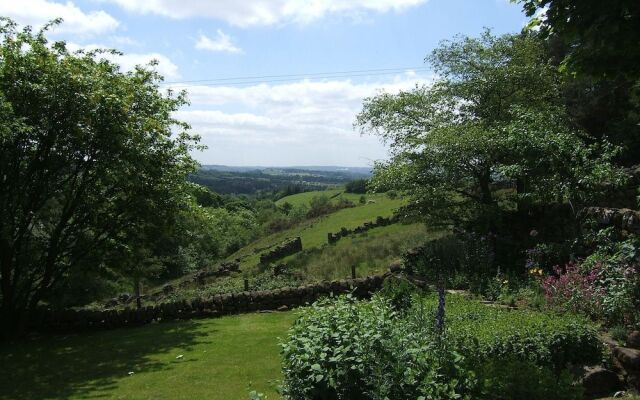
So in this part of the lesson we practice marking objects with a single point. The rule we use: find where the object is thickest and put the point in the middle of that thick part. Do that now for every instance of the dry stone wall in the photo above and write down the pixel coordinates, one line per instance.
(46, 320)
(622, 218)
(285, 249)
(344, 232)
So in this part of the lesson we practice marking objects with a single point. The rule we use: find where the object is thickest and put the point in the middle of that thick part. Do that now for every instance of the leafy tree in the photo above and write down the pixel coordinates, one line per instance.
(597, 45)
(319, 205)
(601, 37)
(234, 228)
(205, 197)
(286, 207)
(358, 186)
(495, 114)
(90, 161)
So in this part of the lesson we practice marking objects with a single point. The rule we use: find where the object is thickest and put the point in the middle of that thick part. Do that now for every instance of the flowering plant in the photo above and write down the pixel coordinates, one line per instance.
(606, 285)
(570, 290)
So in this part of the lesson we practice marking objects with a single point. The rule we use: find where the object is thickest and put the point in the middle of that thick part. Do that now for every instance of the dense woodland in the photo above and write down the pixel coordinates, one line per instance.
(503, 155)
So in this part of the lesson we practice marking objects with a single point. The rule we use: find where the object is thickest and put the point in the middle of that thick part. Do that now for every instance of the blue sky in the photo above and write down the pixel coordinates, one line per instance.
(292, 120)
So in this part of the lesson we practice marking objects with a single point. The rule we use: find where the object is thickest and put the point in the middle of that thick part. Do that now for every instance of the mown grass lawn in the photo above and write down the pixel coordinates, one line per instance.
(220, 359)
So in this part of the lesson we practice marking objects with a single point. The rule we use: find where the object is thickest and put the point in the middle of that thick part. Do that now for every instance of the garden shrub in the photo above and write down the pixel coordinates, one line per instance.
(523, 380)
(545, 256)
(570, 290)
(546, 339)
(604, 286)
(399, 292)
(348, 349)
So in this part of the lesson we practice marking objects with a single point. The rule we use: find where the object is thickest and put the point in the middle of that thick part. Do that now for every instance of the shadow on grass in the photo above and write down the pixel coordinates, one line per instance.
(89, 364)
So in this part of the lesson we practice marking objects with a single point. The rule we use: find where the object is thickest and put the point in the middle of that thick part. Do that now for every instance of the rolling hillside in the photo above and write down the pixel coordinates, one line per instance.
(314, 232)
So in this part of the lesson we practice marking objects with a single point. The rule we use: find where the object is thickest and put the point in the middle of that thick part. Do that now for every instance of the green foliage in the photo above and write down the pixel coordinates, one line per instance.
(360, 350)
(618, 333)
(319, 205)
(205, 197)
(400, 294)
(93, 165)
(233, 229)
(342, 348)
(273, 183)
(314, 231)
(265, 280)
(516, 379)
(322, 205)
(605, 285)
(594, 45)
(615, 266)
(464, 259)
(543, 338)
(495, 114)
(601, 37)
(358, 186)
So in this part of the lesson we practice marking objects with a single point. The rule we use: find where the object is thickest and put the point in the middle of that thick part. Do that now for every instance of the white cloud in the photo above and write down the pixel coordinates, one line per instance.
(305, 122)
(39, 12)
(221, 42)
(165, 66)
(128, 61)
(124, 41)
(263, 12)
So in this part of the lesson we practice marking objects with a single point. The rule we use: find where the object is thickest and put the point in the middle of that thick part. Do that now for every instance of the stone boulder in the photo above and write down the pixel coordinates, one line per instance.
(628, 357)
(599, 382)
(167, 289)
(633, 340)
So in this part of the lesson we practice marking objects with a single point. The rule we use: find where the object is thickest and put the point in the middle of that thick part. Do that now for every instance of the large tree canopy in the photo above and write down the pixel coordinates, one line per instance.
(91, 163)
(494, 114)
(597, 46)
(602, 37)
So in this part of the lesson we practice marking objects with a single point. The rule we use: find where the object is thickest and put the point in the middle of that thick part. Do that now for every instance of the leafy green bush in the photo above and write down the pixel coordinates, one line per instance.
(347, 349)
(516, 379)
(546, 339)
(399, 293)
(617, 278)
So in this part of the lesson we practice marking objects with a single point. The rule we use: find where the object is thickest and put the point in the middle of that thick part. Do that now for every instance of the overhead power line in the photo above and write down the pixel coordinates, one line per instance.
(246, 80)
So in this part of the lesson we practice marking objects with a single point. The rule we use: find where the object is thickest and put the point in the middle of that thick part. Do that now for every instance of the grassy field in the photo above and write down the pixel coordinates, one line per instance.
(334, 194)
(220, 359)
(371, 252)
(314, 232)
(305, 197)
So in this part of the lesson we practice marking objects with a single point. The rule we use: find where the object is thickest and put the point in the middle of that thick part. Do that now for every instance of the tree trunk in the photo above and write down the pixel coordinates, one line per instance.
(484, 181)
(137, 286)
(7, 308)
(488, 211)
(522, 205)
